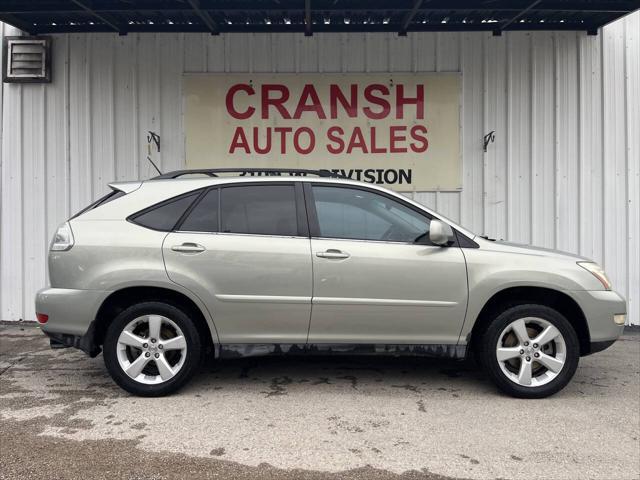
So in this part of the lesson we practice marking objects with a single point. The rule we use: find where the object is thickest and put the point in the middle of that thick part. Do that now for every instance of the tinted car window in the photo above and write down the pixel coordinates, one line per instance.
(259, 209)
(362, 215)
(204, 216)
(166, 215)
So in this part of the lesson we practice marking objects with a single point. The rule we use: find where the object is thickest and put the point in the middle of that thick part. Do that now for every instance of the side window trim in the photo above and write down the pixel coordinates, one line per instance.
(192, 207)
(312, 214)
(301, 219)
(132, 218)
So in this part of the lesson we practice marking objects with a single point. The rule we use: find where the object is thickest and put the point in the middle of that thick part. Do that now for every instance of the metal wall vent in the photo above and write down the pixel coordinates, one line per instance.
(26, 59)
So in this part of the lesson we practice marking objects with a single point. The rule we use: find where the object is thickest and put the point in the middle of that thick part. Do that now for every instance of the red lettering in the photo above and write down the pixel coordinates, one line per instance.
(335, 135)
(416, 132)
(376, 100)
(283, 137)
(239, 141)
(357, 141)
(418, 101)
(278, 102)
(309, 92)
(229, 101)
(374, 148)
(336, 95)
(395, 137)
(296, 140)
(256, 146)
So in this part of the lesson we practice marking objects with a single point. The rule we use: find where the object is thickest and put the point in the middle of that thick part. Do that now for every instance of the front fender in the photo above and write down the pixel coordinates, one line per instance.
(491, 272)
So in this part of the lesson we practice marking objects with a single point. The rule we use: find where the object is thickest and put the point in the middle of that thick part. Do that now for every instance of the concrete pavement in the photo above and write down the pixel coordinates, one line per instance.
(61, 416)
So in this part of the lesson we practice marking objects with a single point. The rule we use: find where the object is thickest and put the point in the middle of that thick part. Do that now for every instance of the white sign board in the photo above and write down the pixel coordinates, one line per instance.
(400, 130)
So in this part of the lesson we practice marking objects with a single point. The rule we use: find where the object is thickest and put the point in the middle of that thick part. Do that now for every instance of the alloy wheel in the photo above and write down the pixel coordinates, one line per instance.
(151, 349)
(531, 351)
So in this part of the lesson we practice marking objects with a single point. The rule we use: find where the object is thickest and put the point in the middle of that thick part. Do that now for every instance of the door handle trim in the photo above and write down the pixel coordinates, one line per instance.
(188, 248)
(333, 254)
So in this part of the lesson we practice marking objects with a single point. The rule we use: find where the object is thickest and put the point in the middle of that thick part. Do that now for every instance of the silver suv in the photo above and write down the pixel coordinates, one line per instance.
(160, 273)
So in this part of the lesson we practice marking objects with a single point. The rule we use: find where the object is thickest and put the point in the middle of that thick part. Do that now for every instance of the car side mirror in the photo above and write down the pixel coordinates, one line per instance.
(440, 233)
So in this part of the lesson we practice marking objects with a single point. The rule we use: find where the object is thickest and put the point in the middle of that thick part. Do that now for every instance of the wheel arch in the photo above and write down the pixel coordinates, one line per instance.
(520, 295)
(123, 298)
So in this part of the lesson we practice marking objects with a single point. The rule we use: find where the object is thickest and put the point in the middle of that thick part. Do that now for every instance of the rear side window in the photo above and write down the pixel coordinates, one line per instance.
(204, 216)
(165, 215)
(259, 209)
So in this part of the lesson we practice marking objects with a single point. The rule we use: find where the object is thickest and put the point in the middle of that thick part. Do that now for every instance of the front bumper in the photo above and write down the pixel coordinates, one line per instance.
(599, 308)
(71, 313)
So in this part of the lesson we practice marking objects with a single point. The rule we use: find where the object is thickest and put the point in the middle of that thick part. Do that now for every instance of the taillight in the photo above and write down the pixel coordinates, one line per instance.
(42, 318)
(63, 239)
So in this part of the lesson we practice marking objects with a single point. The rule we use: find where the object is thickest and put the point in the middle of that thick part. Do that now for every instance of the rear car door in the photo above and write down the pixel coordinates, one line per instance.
(377, 278)
(244, 250)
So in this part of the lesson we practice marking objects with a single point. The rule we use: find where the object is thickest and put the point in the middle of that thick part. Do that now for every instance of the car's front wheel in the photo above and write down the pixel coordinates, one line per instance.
(530, 351)
(152, 349)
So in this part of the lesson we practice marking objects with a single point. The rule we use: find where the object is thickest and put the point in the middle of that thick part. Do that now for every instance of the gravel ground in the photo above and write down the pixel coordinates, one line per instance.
(313, 418)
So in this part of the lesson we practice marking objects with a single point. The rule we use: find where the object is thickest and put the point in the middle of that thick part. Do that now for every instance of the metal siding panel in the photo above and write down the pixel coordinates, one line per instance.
(354, 53)
(632, 63)
(590, 109)
(448, 51)
(495, 119)
(308, 53)
(125, 107)
(148, 94)
(330, 52)
(377, 52)
(170, 128)
(567, 135)
(101, 115)
(543, 141)
(425, 46)
(33, 185)
(285, 53)
(80, 175)
(615, 158)
(195, 51)
(519, 180)
(428, 199)
(56, 123)
(11, 259)
(448, 203)
(471, 213)
(237, 52)
(400, 53)
(214, 53)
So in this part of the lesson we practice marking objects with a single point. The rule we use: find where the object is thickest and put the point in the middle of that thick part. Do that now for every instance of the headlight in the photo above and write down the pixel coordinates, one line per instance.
(597, 271)
(63, 239)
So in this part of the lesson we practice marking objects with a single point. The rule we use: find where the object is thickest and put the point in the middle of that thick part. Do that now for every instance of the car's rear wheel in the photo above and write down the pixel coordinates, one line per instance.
(530, 351)
(152, 349)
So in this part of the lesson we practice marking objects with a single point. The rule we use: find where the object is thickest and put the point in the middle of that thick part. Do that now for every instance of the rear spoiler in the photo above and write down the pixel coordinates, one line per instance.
(117, 190)
(125, 187)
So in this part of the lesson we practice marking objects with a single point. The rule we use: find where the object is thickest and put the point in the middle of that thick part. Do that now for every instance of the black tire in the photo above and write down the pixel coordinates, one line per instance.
(192, 357)
(489, 341)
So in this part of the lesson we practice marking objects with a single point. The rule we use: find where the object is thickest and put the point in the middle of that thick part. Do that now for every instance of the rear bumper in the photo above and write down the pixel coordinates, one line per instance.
(599, 308)
(71, 313)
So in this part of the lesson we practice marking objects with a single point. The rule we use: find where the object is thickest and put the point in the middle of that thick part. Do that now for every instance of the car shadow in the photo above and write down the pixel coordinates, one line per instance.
(276, 375)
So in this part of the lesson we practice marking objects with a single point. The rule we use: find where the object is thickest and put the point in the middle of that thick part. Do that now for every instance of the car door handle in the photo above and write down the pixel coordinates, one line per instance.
(333, 253)
(188, 248)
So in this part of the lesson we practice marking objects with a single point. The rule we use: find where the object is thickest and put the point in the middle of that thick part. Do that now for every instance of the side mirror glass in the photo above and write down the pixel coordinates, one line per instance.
(440, 233)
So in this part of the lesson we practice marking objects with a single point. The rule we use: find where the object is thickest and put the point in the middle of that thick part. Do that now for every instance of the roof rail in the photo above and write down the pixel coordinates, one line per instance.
(213, 172)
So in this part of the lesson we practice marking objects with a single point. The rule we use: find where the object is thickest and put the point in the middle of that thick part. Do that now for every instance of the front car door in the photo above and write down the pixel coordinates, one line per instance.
(244, 250)
(377, 278)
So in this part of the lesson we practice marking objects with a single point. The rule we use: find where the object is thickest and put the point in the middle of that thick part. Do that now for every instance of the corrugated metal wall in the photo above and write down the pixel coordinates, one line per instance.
(562, 173)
